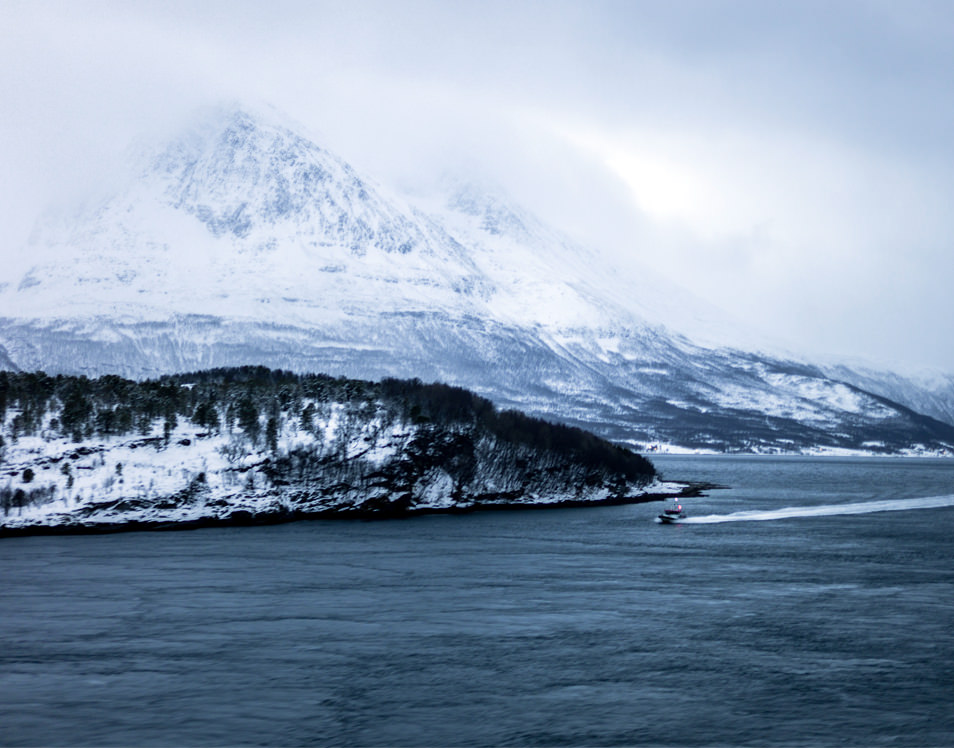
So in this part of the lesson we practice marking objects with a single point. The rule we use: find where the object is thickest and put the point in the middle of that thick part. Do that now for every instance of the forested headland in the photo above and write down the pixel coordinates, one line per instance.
(250, 442)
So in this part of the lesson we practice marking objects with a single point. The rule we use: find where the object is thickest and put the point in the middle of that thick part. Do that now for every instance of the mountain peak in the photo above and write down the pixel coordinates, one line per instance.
(233, 170)
(238, 207)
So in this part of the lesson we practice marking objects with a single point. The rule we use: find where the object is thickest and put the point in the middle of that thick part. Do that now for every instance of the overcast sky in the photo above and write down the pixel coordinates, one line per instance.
(792, 162)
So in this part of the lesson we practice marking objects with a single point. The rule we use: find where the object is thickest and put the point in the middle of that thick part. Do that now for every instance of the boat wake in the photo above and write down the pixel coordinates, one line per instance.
(825, 510)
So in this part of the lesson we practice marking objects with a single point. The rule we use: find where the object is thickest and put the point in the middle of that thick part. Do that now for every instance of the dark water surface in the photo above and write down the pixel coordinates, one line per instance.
(563, 627)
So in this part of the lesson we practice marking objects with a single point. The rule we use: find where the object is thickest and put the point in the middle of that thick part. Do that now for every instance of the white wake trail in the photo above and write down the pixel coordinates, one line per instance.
(826, 510)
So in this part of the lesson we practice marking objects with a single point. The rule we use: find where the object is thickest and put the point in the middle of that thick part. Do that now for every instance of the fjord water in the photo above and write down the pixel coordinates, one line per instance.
(562, 627)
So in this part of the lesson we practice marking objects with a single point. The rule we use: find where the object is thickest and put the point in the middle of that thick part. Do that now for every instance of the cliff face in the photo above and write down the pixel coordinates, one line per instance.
(253, 445)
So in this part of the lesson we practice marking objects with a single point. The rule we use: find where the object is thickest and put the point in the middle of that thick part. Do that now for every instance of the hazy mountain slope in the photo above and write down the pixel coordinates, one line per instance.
(240, 241)
(242, 219)
(931, 394)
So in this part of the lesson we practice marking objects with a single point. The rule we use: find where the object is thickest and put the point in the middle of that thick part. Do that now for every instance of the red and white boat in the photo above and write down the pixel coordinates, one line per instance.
(672, 513)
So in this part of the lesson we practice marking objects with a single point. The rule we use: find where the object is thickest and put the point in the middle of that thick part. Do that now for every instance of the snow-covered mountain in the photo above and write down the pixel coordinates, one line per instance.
(241, 241)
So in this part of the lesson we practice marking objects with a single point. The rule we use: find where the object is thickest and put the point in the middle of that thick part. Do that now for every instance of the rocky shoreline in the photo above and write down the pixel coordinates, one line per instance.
(245, 518)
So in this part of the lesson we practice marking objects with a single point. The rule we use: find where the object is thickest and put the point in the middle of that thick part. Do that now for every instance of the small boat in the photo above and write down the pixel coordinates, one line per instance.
(672, 513)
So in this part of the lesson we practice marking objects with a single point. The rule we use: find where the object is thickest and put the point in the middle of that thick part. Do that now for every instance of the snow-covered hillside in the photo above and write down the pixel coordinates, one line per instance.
(241, 219)
(252, 445)
(242, 242)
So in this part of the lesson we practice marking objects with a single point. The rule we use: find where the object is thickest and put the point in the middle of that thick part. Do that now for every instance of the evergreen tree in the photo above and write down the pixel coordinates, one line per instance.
(271, 433)
(248, 418)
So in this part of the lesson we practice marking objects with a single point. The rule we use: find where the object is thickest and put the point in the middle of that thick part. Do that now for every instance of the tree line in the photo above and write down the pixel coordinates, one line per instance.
(257, 401)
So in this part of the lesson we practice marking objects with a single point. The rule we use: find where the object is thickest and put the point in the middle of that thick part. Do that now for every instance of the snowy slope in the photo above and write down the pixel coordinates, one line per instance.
(241, 241)
(254, 445)
(240, 218)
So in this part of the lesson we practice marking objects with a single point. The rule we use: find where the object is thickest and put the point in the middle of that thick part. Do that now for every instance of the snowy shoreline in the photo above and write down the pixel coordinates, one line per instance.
(652, 450)
(243, 518)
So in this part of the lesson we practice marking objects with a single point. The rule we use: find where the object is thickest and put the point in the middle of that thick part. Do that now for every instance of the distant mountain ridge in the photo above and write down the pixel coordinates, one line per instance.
(242, 242)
